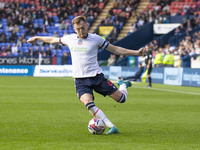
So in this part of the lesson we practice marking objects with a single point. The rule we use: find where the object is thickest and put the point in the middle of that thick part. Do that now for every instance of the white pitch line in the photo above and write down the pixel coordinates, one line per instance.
(134, 86)
(184, 92)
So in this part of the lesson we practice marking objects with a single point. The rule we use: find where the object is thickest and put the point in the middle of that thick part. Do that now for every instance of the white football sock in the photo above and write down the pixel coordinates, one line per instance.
(98, 113)
(123, 89)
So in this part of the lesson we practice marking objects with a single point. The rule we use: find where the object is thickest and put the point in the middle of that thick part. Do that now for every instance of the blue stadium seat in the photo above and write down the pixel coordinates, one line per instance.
(25, 49)
(22, 30)
(2, 44)
(15, 54)
(4, 20)
(25, 44)
(35, 21)
(19, 48)
(40, 20)
(59, 53)
(53, 51)
(21, 27)
(60, 34)
(49, 34)
(71, 17)
(48, 28)
(56, 19)
(39, 34)
(40, 24)
(6, 44)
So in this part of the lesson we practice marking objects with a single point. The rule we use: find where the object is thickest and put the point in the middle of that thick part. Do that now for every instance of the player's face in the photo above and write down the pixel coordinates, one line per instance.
(81, 29)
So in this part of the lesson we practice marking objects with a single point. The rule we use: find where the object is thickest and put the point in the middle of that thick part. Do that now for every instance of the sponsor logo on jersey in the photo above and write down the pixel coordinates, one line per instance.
(80, 42)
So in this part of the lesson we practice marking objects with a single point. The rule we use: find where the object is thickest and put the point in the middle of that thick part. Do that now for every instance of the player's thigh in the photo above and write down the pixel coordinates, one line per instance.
(105, 87)
(149, 71)
(86, 98)
(116, 95)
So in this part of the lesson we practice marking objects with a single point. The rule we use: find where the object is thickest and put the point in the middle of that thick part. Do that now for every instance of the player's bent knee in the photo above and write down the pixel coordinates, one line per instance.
(86, 98)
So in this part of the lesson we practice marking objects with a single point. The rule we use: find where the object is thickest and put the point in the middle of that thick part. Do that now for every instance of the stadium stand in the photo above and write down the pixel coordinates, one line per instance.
(21, 19)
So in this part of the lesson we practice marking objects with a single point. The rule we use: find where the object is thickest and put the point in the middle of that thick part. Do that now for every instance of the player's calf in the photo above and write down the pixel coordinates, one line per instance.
(123, 97)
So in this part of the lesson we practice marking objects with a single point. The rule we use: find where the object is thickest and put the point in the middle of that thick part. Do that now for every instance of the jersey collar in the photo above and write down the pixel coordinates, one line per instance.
(84, 38)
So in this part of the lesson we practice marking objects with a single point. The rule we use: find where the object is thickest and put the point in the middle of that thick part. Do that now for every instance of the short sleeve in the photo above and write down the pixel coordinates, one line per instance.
(64, 40)
(103, 44)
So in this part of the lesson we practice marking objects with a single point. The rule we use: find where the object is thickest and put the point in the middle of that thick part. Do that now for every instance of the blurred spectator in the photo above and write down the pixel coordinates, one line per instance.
(14, 49)
(168, 60)
(38, 29)
(1, 25)
(111, 60)
(3, 48)
(10, 28)
(133, 28)
(13, 37)
(63, 25)
(21, 54)
(44, 29)
(42, 52)
(36, 52)
(185, 59)
(8, 49)
(182, 29)
(4, 53)
(33, 33)
(48, 20)
(55, 34)
(113, 36)
(120, 58)
(9, 21)
(193, 54)
(65, 58)
(16, 28)
(48, 52)
(30, 52)
(158, 61)
(3, 37)
(54, 54)
(189, 26)
(19, 20)
(2, 5)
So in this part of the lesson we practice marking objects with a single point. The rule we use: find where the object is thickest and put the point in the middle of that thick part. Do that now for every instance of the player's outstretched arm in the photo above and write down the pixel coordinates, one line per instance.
(46, 39)
(123, 51)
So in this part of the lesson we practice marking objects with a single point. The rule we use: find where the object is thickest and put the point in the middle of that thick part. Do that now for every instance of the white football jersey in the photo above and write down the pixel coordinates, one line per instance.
(84, 54)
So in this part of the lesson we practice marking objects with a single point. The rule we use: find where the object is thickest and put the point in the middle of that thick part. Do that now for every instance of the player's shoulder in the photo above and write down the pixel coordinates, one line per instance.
(70, 36)
(94, 35)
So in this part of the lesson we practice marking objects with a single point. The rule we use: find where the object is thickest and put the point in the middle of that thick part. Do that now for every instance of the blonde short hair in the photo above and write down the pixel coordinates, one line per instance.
(78, 19)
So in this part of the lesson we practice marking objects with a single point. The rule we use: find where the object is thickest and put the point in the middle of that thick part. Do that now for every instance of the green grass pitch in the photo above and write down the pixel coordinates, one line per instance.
(45, 114)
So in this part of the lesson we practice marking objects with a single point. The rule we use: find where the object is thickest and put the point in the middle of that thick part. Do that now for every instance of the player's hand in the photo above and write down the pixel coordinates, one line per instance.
(31, 40)
(141, 51)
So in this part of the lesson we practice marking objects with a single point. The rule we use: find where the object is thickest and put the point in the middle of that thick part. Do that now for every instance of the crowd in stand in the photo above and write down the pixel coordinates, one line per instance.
(160, 11)
(189, 47)
(20, 20)
(117, 16)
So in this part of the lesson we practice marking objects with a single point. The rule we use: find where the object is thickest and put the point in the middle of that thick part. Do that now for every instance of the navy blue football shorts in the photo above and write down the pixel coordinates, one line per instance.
(98, 83)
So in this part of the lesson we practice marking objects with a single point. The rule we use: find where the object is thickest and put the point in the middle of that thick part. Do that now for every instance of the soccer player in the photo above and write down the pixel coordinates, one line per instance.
(148, 62)
(86, 71)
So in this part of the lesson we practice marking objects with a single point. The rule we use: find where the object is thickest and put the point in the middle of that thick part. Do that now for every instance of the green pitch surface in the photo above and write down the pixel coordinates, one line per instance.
(45, 114)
